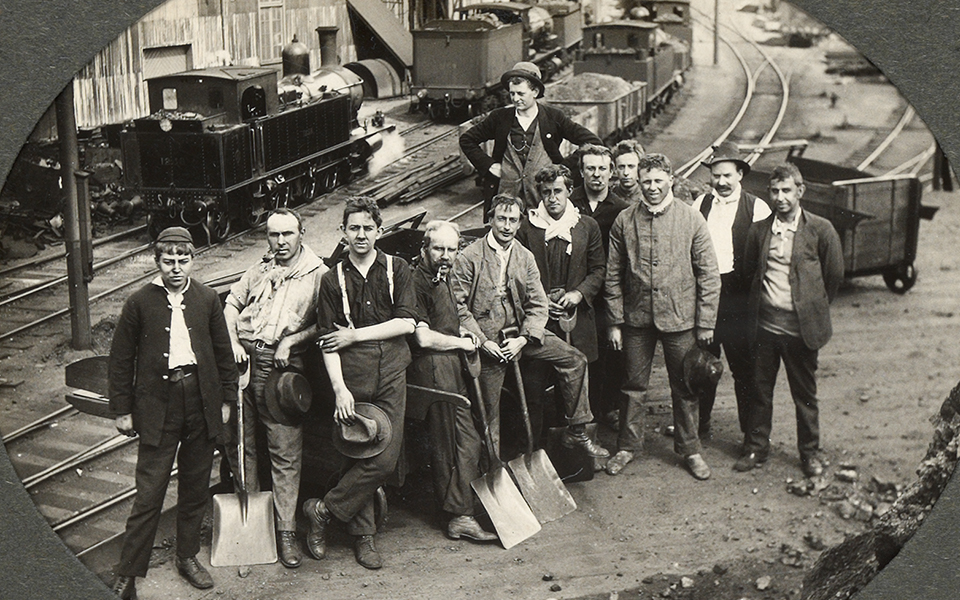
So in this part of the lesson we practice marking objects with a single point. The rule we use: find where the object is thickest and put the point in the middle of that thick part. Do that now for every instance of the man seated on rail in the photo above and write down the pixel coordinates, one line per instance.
(501, 300)
(271, 315)
(729, 211)
(569, 255)
(526, 137)
(172, 382)
(436, 364)
(626, 159)
(662, 284)
(366, 308)
(793, 262)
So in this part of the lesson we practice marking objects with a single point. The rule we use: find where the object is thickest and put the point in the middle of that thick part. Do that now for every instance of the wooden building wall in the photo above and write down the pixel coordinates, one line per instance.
(112, 89)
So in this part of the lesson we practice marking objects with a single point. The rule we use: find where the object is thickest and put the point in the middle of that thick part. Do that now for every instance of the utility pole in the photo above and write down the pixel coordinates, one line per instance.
(716, 31)
(69, 166)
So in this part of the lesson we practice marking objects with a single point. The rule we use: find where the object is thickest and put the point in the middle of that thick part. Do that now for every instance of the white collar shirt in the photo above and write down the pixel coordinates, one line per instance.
(181, 352)
(503, 254)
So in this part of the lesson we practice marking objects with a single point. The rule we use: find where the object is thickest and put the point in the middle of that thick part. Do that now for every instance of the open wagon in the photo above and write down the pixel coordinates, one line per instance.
(878, 218)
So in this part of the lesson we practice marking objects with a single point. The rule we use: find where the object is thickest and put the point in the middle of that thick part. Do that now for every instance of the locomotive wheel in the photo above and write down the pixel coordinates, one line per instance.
(331, 179)
(217, 227)
(303, 189)
(900, 278)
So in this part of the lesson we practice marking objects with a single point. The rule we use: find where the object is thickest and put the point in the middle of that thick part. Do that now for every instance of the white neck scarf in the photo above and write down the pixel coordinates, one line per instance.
(659, 208)
(556, 228)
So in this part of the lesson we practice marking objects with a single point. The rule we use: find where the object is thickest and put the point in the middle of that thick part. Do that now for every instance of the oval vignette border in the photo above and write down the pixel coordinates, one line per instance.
(915, 47)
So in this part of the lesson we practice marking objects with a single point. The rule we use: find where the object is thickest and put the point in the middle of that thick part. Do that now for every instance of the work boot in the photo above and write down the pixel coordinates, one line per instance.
(319, 518)
(125, 587)
(191, 570)
(698, 467)
(812, 466)
(467, 526)
(749, 461)
(289, 550)
(618, 462)
(573, 439)
(366, 552)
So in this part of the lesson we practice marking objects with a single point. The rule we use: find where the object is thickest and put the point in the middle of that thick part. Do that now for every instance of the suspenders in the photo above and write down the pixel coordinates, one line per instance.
(343, 288)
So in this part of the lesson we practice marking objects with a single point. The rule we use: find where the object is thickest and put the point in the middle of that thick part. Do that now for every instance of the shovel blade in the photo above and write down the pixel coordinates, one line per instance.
(506, 507)
(541, 486)
(239, 539)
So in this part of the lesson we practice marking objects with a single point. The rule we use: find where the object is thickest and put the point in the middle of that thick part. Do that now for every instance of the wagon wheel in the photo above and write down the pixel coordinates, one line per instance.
(900, 278)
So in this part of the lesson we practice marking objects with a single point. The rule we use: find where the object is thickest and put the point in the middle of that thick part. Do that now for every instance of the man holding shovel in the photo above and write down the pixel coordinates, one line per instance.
(436, 364)
(569, 254)
(501, 300)
(271, 316)
(172, 379)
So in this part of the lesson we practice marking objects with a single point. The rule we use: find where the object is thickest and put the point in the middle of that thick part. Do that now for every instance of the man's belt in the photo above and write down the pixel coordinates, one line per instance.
(262, 345)
(180, 373)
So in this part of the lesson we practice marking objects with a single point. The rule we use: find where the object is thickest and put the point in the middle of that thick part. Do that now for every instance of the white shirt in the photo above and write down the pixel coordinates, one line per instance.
(526, 120)
(503, 254)
(720, 223)
(181, 350)
(776, 283)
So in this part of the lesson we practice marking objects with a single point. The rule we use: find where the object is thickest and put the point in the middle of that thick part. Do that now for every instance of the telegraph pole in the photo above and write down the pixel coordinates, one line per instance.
(69, 166)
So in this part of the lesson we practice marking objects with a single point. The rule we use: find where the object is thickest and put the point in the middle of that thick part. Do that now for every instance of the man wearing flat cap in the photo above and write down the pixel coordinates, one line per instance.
(172, 381)
(271, 315)
(729, 211)
(526, 137)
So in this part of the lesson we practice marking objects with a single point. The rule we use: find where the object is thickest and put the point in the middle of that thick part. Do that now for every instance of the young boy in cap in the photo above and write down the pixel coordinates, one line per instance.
(172, 380)
(526, 137)
(366, 307)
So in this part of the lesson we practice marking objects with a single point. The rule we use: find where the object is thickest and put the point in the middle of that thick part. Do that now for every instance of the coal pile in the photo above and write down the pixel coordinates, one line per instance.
(588, 87)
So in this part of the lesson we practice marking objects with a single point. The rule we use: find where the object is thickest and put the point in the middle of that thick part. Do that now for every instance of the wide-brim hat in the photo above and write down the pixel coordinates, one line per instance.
(727, 152)
(528, 71)
(369, 434)
(287, 395)
(700, 369)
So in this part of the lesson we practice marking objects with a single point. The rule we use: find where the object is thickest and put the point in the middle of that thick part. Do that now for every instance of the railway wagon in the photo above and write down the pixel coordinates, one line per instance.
(635, 51)
(673, 16)
(458, 62)
(878, 218)
(611, 118)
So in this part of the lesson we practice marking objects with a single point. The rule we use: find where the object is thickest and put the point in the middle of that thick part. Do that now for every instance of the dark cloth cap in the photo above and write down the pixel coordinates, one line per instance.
(727, 151)
(175, 234)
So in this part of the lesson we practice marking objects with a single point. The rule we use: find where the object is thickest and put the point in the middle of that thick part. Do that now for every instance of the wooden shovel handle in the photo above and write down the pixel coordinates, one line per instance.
(523, 405)
(478, 393)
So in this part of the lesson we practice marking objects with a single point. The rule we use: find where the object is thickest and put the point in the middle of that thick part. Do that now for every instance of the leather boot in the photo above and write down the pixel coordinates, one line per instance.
(319, 518)
(289, 550)
(191, 570)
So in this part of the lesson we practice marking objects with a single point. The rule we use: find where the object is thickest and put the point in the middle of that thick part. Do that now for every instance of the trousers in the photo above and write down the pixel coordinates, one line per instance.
(639, 344)
(184, 427)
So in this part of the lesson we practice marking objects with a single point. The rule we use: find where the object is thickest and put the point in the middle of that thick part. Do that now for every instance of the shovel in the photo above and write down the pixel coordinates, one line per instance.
(535, 475)
(243, 527)
(510, 514)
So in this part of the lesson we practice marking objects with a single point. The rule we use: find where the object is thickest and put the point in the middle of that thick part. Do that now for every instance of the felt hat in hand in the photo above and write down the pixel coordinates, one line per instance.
(367, 436)
(288, 396)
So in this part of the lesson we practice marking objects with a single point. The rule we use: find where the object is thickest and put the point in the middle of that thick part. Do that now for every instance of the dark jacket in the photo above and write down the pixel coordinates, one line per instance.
(605, 214)
(554, 126)
(816, 272)
(138, 358)
(588, 264)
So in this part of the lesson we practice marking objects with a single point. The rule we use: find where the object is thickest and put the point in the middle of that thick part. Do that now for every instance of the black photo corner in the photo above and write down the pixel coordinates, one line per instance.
(45, 44)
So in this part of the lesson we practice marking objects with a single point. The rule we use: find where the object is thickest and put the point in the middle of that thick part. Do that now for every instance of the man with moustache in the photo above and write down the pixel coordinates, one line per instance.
(498, 290)
(793, 262)
(436, 364)
(626, 159)
(526, 137)
(569, 255)
(662, 284)
(366, 308)
(729, 211)
(271, 316)
(172, 381)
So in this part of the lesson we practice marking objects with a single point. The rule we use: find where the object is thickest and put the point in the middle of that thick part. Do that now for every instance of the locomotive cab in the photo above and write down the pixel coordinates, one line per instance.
(235, 94)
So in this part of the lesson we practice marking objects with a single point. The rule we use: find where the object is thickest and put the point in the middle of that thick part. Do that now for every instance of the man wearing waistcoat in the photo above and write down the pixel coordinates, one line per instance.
(793, 263)
(729, 211)
(526, 137)
(172, 382)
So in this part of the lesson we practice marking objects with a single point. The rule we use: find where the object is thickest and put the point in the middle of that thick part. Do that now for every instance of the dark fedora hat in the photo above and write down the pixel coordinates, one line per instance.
(528, 71)
(727, 152)
(287, 395)
(367, 436)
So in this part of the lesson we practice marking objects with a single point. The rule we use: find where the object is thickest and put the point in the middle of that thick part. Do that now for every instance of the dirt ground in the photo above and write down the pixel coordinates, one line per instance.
(654, 531)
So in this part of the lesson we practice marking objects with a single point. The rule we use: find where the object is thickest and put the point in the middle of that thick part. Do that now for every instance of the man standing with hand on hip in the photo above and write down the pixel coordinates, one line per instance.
(172, 381)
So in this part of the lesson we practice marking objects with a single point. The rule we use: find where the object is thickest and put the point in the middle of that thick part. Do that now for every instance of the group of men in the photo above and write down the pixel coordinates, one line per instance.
(578, 283)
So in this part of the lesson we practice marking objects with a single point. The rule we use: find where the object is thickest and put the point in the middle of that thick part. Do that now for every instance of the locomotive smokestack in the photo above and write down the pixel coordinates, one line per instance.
(296, 58)
(328, 45)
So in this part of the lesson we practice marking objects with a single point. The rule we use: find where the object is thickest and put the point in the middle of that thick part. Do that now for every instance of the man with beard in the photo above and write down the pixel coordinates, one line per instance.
(626, 158)
(526, 137)
(569, 254)
(436, 364)
(793, 262)
(271, 316)
(729, 211)
(366, 308)
(662, 284)
(500, 297)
